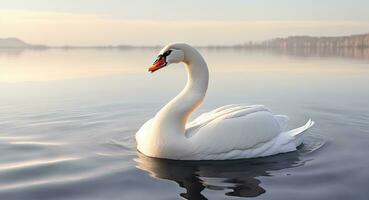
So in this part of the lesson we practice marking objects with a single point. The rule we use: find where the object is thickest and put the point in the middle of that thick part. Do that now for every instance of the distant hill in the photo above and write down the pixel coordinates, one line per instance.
(12, 42)
(17, 43)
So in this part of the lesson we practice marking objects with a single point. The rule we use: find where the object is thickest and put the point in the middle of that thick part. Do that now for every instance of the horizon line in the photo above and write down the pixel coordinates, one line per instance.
(241, 44)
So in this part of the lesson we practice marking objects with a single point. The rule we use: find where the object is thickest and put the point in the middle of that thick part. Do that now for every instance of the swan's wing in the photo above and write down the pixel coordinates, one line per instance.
(234, 130)
(222, 113)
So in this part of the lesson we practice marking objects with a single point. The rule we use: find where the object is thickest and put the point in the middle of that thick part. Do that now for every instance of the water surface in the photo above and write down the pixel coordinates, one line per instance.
(68, 119)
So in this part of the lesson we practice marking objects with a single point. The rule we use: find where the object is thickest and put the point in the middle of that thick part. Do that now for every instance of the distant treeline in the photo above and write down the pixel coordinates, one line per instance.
(353, 41)
(292, 42)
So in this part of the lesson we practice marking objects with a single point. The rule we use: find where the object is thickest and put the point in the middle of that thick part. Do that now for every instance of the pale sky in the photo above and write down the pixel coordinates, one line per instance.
(152, 22)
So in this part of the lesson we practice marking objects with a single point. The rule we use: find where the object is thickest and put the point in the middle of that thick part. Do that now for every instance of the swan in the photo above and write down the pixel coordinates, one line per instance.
(228, 132)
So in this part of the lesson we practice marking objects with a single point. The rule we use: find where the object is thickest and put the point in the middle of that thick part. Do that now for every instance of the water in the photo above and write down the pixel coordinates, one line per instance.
(68, 119)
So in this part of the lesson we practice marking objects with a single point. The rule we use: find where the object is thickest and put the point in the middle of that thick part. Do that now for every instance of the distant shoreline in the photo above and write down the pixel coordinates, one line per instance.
(310, 42)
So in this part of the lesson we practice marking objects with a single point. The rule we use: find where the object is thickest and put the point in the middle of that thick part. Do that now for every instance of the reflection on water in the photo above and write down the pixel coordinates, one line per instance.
(235, 177)
(355, 53)
(11, 52)
(20, 65)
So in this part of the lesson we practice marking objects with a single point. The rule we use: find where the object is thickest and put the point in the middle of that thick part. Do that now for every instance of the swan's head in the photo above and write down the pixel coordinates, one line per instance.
(168, 55)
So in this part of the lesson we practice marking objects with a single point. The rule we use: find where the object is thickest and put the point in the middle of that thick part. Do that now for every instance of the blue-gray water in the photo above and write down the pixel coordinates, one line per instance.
(68, 120)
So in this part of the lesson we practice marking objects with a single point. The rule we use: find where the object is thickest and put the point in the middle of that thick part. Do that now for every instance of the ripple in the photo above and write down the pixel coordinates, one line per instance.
(7, 138)
(32, 163)
(64, 179)
(312, 142)
(31, 143)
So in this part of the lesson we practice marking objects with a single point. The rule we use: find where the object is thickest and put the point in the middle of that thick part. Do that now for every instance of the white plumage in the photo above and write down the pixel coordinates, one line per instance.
(228, 132)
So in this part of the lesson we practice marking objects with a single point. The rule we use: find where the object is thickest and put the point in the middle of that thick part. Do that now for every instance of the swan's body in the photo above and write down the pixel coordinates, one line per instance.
(229, 132)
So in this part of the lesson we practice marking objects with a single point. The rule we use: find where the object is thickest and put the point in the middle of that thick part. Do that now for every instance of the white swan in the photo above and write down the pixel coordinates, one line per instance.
(229, 132)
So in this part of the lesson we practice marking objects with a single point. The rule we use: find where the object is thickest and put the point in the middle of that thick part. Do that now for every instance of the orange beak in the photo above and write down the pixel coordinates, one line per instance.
(158, 64)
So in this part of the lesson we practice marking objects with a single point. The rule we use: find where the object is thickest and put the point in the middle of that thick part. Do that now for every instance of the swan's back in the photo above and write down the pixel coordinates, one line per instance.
(236, 131)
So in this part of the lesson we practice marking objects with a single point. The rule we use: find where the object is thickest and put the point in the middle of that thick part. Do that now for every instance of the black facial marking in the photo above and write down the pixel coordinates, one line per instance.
(165, 54)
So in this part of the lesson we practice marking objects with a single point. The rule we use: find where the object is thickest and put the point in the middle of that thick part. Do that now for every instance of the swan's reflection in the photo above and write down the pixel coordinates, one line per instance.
(237, 177)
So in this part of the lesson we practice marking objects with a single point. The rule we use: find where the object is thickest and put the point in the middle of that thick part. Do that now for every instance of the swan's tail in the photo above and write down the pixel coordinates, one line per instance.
(297, 133)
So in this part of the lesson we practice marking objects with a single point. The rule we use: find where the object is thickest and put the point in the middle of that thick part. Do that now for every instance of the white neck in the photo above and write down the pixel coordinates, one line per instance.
(173, 116)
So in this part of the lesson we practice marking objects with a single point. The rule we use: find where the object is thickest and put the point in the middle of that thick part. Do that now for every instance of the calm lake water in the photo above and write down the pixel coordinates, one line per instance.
(68, 120)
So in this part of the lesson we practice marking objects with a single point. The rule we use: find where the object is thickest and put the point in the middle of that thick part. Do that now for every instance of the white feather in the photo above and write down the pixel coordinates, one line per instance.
(229, 132)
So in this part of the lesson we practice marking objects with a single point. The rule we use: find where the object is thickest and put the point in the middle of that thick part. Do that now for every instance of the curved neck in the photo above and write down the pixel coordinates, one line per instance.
(178, 110)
